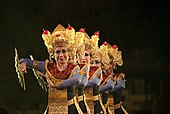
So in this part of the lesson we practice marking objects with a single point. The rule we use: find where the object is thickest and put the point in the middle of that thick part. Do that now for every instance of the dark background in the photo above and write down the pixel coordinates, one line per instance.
(140, 29)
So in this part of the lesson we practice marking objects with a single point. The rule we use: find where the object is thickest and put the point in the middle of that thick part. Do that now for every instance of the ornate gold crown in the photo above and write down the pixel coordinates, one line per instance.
(92, 44)
(110, 54)
(89, 44)
(59, 37)
(77, 44)
(64, 37)
(115, 55)
(105, 59)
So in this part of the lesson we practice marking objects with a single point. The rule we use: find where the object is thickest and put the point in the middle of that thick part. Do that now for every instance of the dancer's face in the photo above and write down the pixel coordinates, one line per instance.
(61, 55)
(84, 59)
(95, 62)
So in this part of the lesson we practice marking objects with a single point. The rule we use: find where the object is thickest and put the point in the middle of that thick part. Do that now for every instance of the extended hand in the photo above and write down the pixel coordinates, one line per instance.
(22, 68)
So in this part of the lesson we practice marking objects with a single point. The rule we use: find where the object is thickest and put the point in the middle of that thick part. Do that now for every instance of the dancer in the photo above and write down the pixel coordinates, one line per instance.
(61, 75)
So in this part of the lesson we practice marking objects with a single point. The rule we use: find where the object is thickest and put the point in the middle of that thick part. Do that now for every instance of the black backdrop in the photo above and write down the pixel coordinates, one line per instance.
(140, 29)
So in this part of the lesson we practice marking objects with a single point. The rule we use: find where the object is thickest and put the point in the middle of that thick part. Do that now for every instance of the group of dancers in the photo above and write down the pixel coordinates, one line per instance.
(79, 75)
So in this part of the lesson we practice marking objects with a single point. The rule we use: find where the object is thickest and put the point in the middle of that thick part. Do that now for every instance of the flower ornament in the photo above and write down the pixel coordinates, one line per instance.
(97, 33)
(69, 27)
(105, 43)
(82, 30)
(46, 32)
(114, 46)
(57, 35)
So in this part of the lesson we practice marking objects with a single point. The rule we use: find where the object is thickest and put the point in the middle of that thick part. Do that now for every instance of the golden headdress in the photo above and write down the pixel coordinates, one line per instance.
(70, 33)
(76, 40)
(93, 46)
(79, 37)
(89, 44)
(105, 59)
(96, 55)
(94, 40)
(115, 55)
(59, 37)
(79, 41)
(110, 55)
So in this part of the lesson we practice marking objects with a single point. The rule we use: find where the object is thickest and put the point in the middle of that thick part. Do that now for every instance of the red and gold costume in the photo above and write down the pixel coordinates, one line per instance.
(58, 100)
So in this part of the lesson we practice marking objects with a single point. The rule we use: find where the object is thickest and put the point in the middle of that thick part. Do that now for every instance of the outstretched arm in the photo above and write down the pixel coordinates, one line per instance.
(94, 82)
(71, 81)
(83, 82)
(38, 65)
(108, 86)
(120, 85)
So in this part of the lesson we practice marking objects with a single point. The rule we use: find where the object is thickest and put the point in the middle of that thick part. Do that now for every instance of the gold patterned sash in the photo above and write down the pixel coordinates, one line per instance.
(57, 101)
